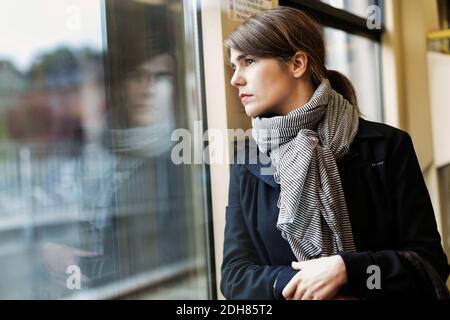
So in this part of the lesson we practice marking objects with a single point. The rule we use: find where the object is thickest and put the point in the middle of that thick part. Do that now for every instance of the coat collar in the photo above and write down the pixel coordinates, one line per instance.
(260, 166)
(367, 129)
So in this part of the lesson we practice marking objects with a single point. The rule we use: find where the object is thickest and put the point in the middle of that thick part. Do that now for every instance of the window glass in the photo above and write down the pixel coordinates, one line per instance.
(358, 59)
(91, 203)
(358, 7)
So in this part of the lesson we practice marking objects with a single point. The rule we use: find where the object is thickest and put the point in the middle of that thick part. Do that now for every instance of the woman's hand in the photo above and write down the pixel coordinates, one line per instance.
(58, 257)
(318, 279)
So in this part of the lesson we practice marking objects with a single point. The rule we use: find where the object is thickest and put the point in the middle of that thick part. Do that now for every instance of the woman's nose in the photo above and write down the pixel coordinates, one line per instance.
(237, 79)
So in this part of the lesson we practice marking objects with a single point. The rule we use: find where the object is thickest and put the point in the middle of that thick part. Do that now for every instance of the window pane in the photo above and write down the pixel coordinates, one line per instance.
(358, 7)
(92, 205)
(358, 59)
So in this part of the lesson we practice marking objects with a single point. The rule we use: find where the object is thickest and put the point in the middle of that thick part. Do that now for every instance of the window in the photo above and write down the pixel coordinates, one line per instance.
(350, 54)
(92, 205)
(352, 48)
(357, 7)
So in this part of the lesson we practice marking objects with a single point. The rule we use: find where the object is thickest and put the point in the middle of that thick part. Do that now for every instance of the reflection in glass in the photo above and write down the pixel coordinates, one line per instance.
(92, 205)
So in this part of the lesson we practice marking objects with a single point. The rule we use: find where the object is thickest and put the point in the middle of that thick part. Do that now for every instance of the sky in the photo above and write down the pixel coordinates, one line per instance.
(28, 27)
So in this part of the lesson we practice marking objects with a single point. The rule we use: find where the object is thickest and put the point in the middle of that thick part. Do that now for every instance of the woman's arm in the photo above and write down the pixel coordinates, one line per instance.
(243, 276)
(417, 231)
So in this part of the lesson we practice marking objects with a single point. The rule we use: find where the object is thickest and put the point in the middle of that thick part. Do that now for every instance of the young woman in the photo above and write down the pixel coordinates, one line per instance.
(346, 206)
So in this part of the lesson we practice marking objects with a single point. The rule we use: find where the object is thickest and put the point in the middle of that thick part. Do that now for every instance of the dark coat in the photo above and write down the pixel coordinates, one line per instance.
(389, 209)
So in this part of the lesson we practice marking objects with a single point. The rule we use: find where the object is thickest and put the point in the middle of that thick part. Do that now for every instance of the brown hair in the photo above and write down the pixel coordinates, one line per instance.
(280, 33)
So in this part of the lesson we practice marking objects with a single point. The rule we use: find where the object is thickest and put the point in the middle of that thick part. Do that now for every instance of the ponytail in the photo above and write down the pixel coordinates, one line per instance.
(343, 86)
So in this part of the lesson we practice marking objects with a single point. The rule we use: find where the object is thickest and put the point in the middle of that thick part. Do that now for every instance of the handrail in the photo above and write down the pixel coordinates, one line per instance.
(439, 34)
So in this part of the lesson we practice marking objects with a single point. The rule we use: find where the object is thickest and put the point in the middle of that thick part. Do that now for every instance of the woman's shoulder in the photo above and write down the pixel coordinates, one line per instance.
(382, 139)
(373, 137)
(371, 129)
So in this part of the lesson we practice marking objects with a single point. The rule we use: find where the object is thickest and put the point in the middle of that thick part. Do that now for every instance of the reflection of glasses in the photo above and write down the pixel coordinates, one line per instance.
(142, 75)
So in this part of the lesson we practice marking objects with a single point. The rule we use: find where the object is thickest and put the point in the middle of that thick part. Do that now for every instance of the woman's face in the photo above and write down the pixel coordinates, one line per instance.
(265, 85)
(149, 91)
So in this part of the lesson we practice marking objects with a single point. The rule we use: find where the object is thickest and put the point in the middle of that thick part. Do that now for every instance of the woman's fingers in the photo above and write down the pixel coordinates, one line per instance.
(291, 287)
(298, 265)
(82, 253)
(300, 292)
(289, 290)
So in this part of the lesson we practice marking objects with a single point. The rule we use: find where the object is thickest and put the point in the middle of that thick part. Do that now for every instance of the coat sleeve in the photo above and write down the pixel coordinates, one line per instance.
(242, 275)
(417, 231)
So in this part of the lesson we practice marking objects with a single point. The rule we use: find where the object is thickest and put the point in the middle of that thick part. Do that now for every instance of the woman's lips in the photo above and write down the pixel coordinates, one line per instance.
(244, 96)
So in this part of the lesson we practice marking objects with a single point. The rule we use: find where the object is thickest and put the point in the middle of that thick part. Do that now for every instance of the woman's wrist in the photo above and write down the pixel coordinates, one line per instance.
(341, 270)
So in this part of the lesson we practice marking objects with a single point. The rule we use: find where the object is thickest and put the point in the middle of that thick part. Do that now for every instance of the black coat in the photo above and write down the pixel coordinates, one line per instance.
(389, 209)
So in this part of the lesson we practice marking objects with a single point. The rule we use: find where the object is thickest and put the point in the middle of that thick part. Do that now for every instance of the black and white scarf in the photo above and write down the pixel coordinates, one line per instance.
(147, 141)
(304, 146)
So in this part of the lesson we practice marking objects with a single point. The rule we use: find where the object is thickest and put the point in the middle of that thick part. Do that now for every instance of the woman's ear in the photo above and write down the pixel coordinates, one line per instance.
(299, 64)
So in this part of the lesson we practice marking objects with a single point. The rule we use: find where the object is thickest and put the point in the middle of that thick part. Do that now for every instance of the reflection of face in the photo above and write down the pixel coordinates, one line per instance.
(267, 83)
(149, 91)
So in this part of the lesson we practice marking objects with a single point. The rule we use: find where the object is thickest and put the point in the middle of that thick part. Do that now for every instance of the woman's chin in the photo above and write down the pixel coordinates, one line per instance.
(251, 112)
(258, 113)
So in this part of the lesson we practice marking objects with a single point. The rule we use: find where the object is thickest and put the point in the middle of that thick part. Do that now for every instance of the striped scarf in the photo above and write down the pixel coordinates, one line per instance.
(304, 146)
(148, 141)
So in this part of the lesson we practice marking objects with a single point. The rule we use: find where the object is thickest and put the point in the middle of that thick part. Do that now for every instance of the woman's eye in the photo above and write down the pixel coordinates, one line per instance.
(249, 61)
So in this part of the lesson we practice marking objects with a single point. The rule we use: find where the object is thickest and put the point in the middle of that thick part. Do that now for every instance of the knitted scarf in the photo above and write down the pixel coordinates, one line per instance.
(304, 146)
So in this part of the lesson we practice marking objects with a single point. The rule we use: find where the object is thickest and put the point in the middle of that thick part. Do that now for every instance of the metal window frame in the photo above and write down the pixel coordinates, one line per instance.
(194, 9)
(341, 19)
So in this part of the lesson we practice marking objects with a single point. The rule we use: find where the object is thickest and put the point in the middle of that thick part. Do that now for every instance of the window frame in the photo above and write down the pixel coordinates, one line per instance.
(340, 19)
(194, 9)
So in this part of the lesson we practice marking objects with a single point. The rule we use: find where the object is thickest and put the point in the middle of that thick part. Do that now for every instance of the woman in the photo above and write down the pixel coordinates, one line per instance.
(347, 198)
